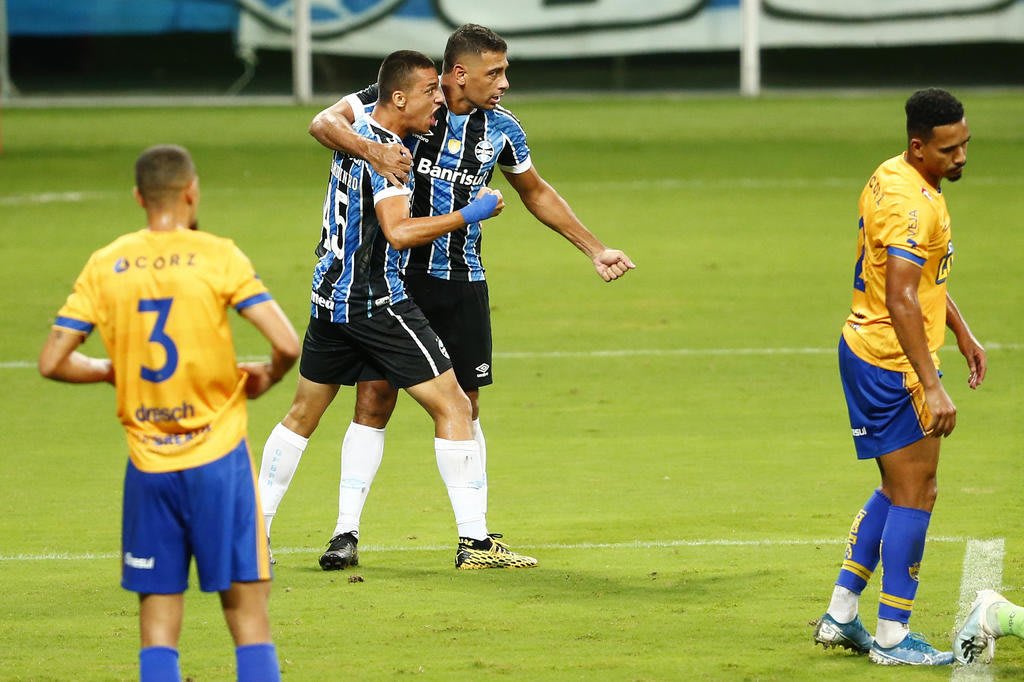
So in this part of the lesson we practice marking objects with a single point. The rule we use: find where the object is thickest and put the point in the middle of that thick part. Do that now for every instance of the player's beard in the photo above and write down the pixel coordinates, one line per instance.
(194, 225)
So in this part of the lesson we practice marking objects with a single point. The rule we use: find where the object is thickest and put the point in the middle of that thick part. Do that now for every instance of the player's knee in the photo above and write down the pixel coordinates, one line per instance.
(301, 420)
(375, 401)
(452, 408)
(458, 406)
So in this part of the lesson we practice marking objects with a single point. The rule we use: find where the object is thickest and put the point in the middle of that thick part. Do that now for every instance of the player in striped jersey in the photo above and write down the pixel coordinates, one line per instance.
(158, 297)
(473, 135)
(888, 362)
(364, 323)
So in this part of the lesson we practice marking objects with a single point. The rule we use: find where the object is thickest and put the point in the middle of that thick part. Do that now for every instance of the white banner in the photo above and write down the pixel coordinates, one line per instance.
(585, 28)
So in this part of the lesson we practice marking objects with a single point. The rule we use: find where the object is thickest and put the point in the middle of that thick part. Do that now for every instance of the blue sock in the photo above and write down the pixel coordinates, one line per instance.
(159, 664)
(863, 544)
(257, 663)
(902, 551)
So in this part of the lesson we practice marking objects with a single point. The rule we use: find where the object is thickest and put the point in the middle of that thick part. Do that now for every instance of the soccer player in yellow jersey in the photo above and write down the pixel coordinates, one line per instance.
(159, 299)
(888, 362)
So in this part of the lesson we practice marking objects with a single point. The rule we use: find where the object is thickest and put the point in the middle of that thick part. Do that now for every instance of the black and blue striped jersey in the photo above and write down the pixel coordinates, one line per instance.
(451, 162)
(358, 270)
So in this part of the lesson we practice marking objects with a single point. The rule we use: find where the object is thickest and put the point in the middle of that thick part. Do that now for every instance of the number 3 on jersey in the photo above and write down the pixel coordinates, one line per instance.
(162, 308)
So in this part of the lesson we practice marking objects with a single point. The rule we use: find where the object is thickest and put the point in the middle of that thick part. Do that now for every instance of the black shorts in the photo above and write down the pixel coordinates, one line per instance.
(460, 313)
(396, 344)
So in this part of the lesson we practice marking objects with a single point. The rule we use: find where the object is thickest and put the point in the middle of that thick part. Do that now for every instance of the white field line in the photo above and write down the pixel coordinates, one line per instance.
(77, 196)
(636, 544)
(51, 198)
(623, 353)
(751, 183)
(983, 569)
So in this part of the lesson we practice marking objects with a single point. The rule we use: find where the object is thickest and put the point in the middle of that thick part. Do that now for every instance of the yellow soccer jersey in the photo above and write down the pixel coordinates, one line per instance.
(901, 216)
(159, 301)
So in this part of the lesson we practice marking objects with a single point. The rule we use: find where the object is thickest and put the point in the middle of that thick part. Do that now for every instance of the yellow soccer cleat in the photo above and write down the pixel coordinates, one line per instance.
(489, 553)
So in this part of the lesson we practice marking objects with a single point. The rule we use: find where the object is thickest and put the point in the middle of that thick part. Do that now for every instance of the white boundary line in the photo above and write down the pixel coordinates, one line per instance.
(626, 353)
(983, 569)
(751, 183)
(52, 198)
(636, 544)
(77, 196)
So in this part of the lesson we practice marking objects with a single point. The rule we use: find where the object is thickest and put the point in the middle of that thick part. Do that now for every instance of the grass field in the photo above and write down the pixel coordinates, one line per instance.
(673, 447)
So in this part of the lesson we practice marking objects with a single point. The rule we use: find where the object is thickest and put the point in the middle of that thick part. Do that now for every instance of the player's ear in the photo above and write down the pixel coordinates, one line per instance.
(459, 71)
(192, 190)
(398, 99)
(138, 197)
(915, 147)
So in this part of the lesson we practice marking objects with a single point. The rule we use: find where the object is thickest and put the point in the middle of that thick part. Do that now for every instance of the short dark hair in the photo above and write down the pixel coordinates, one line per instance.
(929, 108)
(471, 38)
(397, 70)
(161, 171)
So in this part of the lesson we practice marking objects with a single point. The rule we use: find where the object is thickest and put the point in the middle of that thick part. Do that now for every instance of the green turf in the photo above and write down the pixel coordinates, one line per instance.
(687, 500)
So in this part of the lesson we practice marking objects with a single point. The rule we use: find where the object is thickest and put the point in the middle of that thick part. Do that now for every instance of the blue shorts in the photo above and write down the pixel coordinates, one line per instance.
(887, 409)
(208, 512)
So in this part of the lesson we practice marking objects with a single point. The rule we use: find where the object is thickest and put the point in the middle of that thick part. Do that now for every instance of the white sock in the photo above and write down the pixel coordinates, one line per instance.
(458, 461)
(478, 436)
(843, 606)
(361, 454)
(281, 457)
(890, 632)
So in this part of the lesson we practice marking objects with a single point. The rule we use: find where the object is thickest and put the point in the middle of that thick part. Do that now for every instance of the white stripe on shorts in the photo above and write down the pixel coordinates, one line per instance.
(426, 353)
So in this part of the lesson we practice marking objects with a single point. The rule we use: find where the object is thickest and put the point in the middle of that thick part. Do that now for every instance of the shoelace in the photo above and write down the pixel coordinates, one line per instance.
(917, 642)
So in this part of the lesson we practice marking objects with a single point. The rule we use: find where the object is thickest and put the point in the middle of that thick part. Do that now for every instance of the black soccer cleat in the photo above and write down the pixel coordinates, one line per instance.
(341, 553)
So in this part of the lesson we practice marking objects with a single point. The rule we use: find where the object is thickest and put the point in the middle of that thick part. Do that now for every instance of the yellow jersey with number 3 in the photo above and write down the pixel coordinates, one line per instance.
(159, 301)
(901, 216)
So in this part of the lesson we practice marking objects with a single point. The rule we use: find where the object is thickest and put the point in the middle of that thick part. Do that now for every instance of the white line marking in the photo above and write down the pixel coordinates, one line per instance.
(751, 183)
(51, 198)
(983, 569)
(72, 197)
(623, 353)
(636, 544)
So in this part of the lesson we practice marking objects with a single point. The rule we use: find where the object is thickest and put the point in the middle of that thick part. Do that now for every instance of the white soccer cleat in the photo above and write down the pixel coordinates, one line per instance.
(976, 639)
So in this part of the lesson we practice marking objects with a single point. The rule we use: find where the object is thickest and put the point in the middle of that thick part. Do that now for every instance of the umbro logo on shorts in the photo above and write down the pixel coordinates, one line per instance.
(481, 370)
(444, 351)
(143, 563)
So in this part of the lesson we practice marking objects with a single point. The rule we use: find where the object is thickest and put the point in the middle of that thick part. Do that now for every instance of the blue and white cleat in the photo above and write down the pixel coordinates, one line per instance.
(976, 640)
(853, 635)
(913, 650)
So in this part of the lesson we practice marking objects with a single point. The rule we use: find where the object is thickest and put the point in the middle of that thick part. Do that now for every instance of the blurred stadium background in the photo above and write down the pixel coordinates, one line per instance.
(202, 48)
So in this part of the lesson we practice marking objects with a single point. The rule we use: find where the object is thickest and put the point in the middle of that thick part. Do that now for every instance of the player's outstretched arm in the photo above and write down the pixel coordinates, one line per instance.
(901, 281)
(275, 326)
(548, 206)
(972, 350)
(59, 360)
(332, 128)
(405, 232)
